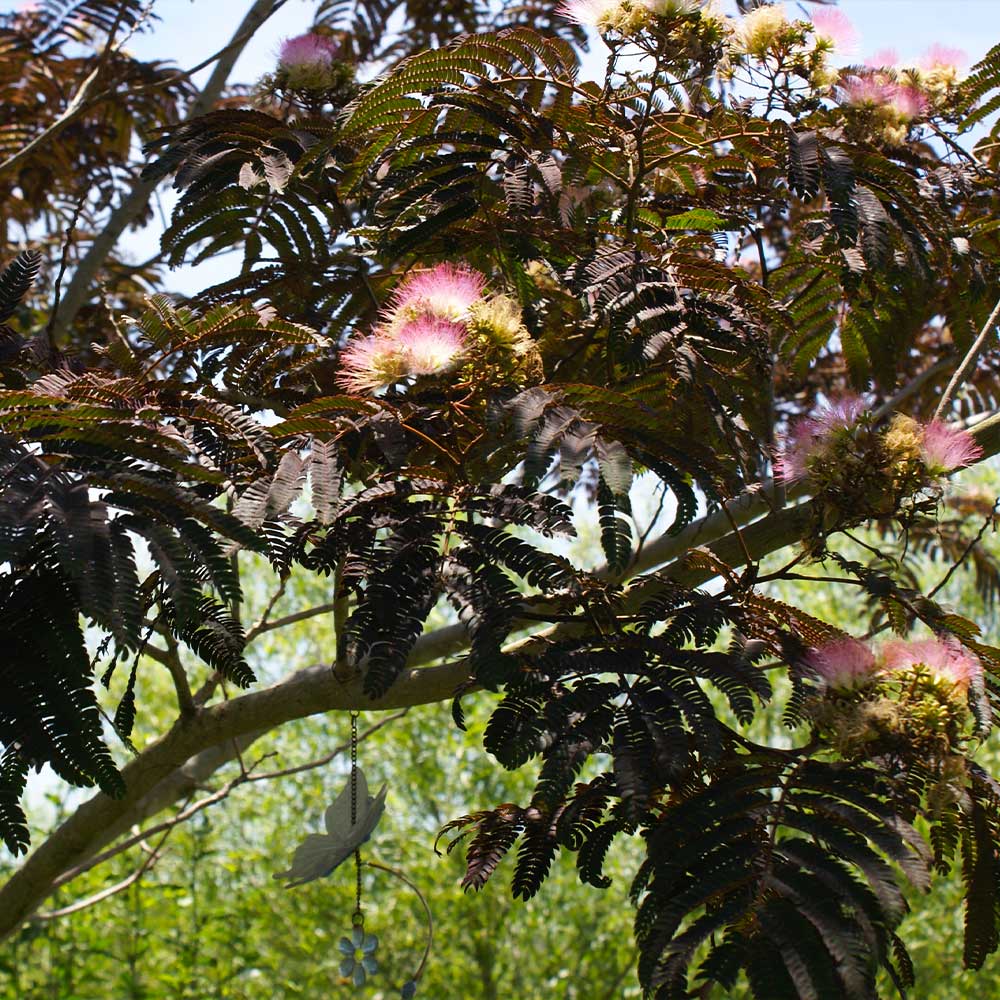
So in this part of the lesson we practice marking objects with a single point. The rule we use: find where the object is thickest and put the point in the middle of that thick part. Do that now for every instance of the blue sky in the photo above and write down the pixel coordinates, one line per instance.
(192, 29)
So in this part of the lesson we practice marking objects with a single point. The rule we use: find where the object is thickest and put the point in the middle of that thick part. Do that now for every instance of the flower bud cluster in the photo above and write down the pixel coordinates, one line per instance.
(313, 63)
(862, 471)
(899, 697)
(438, 321)
(762, 30)
(683, 30)
(881, 100)
(887, 99)
(626, 17)
(803, 48)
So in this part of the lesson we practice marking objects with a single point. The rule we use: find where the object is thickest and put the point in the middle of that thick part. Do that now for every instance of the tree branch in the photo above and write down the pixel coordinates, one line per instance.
(298, 616)
(198, 741)
(98, 897)
(185, 700)
(262, 623)
(135, 201)
(78, 102)
(968, 362)
(310, 691)
(247, 776)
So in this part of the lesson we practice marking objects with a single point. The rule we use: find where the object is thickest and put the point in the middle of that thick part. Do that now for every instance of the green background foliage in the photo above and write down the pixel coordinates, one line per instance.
(209, 919)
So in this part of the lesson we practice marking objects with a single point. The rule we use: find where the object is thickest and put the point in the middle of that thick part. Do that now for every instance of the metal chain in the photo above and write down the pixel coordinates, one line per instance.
(354, 768)
(358, 917)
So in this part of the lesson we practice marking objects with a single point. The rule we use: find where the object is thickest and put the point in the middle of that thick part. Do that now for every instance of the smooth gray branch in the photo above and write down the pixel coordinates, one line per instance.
(968, 362)
(135, 201)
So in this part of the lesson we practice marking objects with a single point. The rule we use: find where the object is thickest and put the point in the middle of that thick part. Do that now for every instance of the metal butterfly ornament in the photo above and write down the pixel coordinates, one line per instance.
(350, 821)
(321, 853)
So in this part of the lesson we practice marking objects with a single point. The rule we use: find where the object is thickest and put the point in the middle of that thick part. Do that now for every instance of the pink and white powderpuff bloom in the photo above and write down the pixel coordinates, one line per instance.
(445, 291)
(370, 363)
(941, 57)
(940, 70)
(843, 665)
(809, 436)
(883, 59)
(894, 105)
(431, 345)
(624, 16)
(945, 659)
(590, 13)
(945, 448)
(908, 102)
(868, 89)
(835, 26)
(308, 50)
(804, 440)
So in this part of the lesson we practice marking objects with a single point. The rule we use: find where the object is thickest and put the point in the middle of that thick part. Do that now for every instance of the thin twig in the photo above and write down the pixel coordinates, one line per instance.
(135, 200)
(327, 758)
(739, 534)
(297, 616)
(182, 816)
(914, 385)
(644, 537)
(967, 362)
(78, 103)
(806, 576)
(857, 541)
(758, 238)
(955, 147)
(247, 775)
(97, 897)
(261, 623)
(153, 855)
(987, 521)
(63, 264)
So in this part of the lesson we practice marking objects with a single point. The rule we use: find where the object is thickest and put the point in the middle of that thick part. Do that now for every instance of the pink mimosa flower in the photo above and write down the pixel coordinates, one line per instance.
(308, 50)
(944, 658)
(431, 345)
(803, 441)
(875, 89)
(872, 89)
(590, 13)
(836, 26)
(883, 59)
(445, 291)
(843, 664)
(810, 435)
(841, 412)
(942, 57)
(370, 363)
(941, 69)
(945, 448)
(908, 102)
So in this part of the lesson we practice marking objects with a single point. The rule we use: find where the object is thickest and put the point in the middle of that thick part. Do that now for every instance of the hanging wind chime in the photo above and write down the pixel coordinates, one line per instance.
(350, 820)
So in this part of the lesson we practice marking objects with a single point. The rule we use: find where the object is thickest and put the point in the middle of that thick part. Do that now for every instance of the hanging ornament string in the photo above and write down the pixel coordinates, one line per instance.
(350, 820)
(409, 988)
(358, 918)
